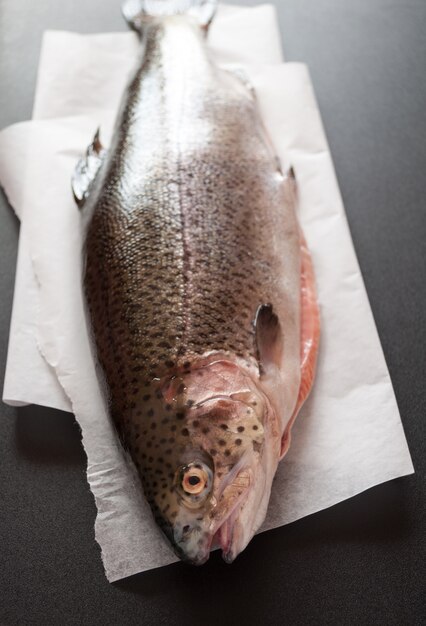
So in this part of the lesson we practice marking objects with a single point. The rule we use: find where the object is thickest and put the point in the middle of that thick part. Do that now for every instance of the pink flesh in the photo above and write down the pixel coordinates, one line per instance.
(310, 333)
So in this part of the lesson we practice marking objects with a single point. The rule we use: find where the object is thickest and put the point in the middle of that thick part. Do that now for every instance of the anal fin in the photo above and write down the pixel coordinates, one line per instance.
(86, 170)
(310, 334)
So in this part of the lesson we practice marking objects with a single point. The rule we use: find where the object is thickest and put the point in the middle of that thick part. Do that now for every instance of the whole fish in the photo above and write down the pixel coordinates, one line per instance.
(199, 286)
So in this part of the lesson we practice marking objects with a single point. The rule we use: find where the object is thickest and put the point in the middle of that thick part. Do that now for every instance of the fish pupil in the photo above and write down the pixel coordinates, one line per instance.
(193, 480)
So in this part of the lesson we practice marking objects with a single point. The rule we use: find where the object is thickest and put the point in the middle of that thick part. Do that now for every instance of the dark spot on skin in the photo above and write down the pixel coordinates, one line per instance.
(187, 365)
(205, 430)
(227, 452)
(213, 452)
(190, 403)
(238, 442)
(146, 397)
(255, 427)
(195, 423)
(173, 428)
(173, 515)
(150, 459)
(150, 413)
(254, 403)
(163, 440)
(185, 432)
(149, 444)
(181, 388)
(169, 363)
(240, 429)
(224, 427)
(222, 442)
(153, 425)
(180, 415)
(165, 420)
(168, 407)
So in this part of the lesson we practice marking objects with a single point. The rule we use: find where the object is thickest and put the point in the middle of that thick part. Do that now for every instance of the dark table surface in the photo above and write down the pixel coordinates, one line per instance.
(360, 562)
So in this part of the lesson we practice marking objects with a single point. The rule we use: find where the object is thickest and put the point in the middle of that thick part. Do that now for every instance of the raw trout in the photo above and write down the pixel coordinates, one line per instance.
(199, 286)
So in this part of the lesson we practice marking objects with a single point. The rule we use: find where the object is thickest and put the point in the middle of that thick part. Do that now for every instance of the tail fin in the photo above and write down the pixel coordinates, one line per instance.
(139, 12)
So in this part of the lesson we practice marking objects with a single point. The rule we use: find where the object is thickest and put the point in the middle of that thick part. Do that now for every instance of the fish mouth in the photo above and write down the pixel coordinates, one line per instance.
(226, 535)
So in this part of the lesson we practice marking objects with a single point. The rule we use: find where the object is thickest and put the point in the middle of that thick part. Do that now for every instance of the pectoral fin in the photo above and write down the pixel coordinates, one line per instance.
(86, 170)
(269, 338)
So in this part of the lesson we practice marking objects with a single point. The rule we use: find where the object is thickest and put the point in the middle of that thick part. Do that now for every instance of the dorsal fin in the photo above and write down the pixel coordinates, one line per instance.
(269, 338)
(86, 170)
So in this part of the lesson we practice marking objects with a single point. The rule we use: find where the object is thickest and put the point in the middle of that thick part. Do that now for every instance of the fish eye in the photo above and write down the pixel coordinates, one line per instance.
(194, 482)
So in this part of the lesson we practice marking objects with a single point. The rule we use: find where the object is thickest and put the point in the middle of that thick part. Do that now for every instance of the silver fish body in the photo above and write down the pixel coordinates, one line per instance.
(193, 283)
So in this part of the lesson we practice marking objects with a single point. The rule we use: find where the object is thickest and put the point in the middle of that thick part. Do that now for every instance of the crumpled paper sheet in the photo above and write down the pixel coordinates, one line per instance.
(348, 436)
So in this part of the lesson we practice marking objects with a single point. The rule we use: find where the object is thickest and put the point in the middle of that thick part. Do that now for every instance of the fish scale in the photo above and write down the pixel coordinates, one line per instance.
(192, 277)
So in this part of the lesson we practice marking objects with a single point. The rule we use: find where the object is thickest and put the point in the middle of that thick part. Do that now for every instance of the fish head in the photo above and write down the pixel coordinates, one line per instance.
(215, 487)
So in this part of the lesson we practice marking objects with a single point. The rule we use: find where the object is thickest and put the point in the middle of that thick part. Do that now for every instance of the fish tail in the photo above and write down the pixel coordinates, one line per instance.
(139, 12)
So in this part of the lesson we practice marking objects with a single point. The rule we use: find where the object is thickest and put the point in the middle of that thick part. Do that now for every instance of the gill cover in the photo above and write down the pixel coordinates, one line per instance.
(139, 12)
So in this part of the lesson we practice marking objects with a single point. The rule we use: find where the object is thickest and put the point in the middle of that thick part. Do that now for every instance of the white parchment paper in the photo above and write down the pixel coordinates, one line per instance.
(348, 436)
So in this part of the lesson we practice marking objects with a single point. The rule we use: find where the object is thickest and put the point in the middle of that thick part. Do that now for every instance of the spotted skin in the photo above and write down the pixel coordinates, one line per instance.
(190, 228)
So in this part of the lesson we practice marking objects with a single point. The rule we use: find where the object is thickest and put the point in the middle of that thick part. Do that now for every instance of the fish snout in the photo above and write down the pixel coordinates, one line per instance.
(192, 543)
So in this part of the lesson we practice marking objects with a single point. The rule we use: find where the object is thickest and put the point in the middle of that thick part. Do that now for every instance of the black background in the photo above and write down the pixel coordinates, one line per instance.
(360, 562)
